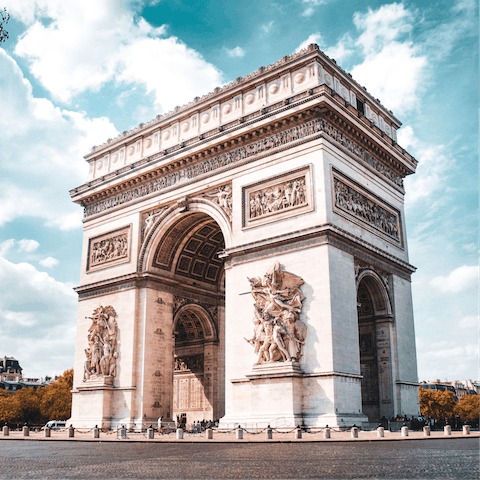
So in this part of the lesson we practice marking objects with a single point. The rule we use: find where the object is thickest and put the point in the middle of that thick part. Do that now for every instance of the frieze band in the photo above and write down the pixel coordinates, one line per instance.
(318, 125)
(355, 203)
(109, 249)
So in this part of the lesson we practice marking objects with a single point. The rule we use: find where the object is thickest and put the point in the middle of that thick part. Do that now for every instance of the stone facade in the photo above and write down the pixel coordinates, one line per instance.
(277, 198)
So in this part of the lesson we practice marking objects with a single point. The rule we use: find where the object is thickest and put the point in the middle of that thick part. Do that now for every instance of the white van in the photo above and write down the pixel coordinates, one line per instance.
(55, 424)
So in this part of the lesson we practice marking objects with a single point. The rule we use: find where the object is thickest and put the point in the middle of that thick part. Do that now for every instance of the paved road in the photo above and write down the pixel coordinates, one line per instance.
(414, 459)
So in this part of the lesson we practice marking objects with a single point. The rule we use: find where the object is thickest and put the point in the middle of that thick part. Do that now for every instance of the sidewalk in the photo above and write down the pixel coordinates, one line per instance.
(229, 437)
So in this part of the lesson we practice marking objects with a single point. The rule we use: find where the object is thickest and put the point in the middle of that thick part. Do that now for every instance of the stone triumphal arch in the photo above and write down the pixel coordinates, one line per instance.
(245, 259)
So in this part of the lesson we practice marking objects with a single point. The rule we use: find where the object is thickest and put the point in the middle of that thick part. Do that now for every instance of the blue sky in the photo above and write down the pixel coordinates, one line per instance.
(73, 74)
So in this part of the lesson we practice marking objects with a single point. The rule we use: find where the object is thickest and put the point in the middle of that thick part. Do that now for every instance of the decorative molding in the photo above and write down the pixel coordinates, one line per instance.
(358, 203)
(110, 249)
(279, 197)
(308, 130)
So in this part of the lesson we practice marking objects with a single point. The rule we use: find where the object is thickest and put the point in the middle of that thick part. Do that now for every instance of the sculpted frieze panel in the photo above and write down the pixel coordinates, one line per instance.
(102, 345)
(279, 334)
(357, 203)
(278, 197)
(190, 362)
(109, 249)
(222, 196)
(148, 220)
(240, 155)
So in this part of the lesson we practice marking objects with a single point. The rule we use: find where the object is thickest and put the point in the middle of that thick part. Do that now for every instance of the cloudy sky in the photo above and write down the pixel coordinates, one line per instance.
(73, 74)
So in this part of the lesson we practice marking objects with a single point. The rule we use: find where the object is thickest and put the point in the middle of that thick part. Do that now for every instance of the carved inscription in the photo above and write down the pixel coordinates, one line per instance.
(355, 203)
(318, 125)
(109, 249)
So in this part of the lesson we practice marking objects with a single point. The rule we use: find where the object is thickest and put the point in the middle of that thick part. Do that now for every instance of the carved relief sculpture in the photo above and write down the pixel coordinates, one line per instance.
(360, 206)
(102, 340)
(279, 334)
(222, 196)
(191, 362)
(148, 220)
(109, 249)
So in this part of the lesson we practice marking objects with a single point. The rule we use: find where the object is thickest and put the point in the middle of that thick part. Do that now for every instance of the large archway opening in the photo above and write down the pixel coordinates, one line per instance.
(374, 332)
(188, 255)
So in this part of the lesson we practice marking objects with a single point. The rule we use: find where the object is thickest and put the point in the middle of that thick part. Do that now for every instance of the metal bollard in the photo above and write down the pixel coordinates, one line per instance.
(298, 433)
(447, 430)
(209, 434)
(326, 433)
(71, 432)
(26, 431)
(354, 432)
(466, 429)
(179, 434)
(47, 432)
(96, 432)
(426, 431)
(269, 433)
(6, 431)
(380, 432)
(239, 433)
(405, 431)
(150, 434)
(123, 432)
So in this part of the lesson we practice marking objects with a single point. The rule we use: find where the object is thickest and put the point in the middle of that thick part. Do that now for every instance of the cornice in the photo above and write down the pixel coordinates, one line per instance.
(263, 74)
(353, 129)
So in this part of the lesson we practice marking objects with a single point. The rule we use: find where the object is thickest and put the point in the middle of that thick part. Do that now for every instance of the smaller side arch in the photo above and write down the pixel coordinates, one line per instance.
(209, 329)
(378, 291)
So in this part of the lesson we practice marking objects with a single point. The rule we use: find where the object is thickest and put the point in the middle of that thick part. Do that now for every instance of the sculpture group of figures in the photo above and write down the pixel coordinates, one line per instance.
(279, 334)
(278, 197)
(354, 202)
(102, 340)
(192, 362)
(109, 249)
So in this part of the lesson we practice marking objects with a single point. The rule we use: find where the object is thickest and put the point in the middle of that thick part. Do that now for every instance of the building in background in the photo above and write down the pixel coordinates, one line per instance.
(12, 379)
(458, 387)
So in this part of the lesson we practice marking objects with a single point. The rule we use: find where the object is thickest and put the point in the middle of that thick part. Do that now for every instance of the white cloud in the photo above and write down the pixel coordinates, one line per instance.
(34, 307)
(48, 262)
(266, 27)
(342, 50)
(43, 156)
(313, 38)
(468, 322)
(456, 281)
(235, 52)
(27, 245)
(73, 47)
(310, 6)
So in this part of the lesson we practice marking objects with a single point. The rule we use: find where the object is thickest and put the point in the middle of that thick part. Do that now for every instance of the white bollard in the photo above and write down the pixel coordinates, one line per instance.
(96, 432)
(326, 433)
(26, 431)
(447, 430)
(239, 433)
(466, 429)
(71, 432)
(426, 431)
(354, 432)
(209, 434)
(405, 431)
(298, 433)
(269, 433)
(380, 432)
(47, 432)
(150, 434)
(179, 434)
(6, 431)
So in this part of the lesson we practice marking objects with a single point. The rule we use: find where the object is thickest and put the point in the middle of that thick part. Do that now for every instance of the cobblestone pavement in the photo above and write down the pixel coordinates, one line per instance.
(447, 458)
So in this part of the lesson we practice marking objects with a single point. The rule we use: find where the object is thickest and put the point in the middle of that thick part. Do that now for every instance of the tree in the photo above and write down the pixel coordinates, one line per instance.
(468, 408)
(56, 401)
(4, 18)
(26, 408)
(436, 404)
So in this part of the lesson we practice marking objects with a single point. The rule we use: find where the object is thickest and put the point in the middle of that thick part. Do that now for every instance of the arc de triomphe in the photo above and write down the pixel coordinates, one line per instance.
(245, 259)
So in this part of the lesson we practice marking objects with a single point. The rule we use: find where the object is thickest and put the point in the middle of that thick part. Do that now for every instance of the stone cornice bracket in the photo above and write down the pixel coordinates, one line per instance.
(182, 203)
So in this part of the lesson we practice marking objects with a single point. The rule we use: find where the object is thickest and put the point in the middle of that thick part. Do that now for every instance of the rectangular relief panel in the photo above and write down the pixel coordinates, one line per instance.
(110, 249)
(274, 199)
(364, 208)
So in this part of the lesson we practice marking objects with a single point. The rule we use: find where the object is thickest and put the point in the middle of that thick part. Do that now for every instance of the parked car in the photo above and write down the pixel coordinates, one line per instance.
(55, 425)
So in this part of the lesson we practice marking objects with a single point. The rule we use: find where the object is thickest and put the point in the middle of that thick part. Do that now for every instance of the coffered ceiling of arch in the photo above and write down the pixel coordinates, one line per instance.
(189, 327)
(369, 299)
(200, 241)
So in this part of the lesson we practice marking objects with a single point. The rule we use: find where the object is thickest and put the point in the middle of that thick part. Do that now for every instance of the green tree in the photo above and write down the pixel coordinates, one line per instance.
(468, 408)
(4, 18)
(436, 404)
